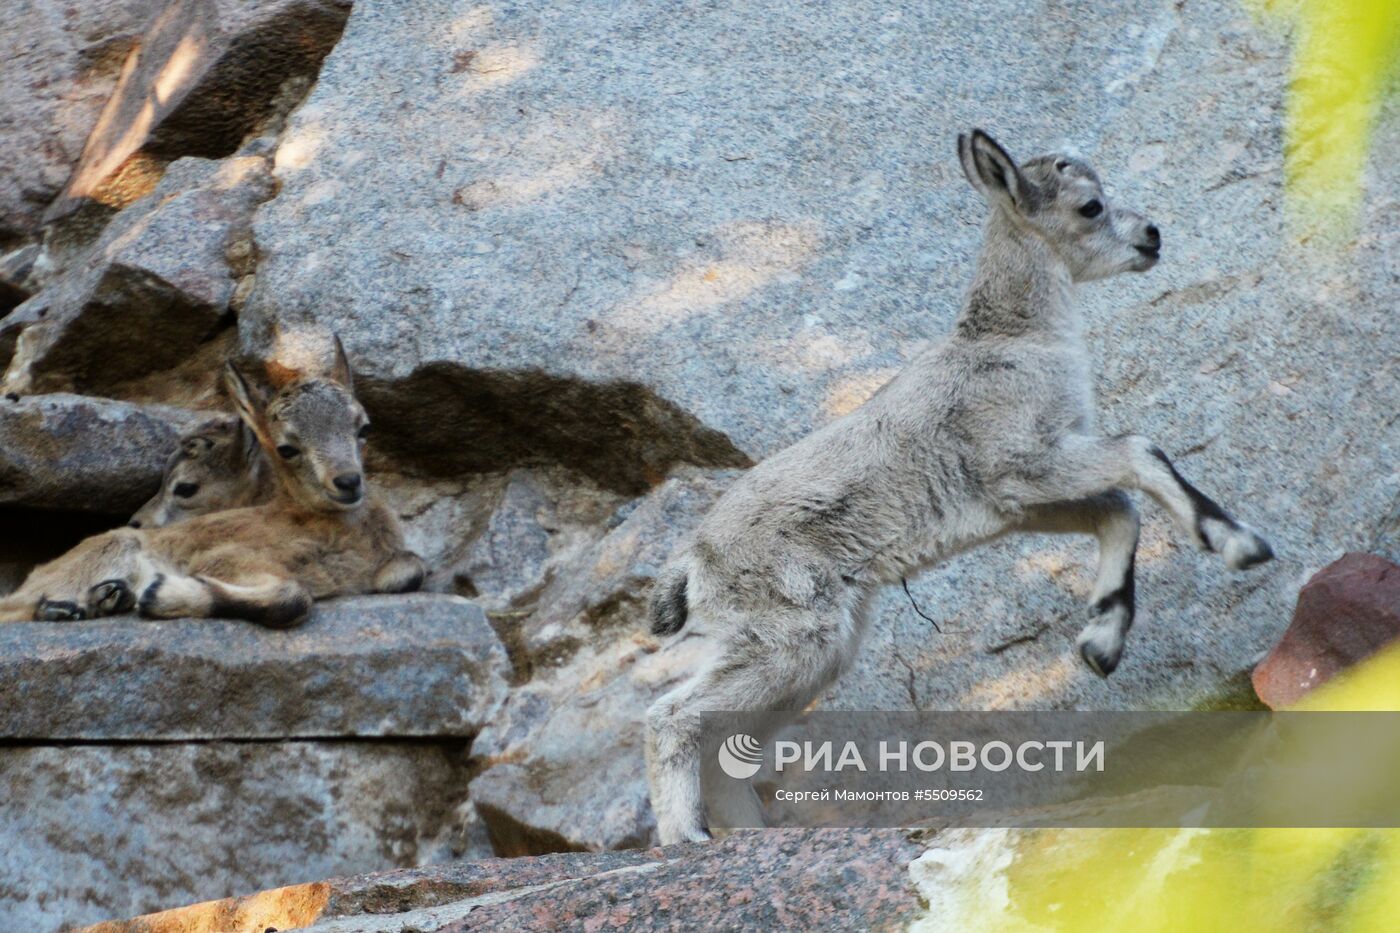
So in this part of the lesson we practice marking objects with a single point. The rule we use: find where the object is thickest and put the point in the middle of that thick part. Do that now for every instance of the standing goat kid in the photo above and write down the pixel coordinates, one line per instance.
(987, 433)
(320, 535)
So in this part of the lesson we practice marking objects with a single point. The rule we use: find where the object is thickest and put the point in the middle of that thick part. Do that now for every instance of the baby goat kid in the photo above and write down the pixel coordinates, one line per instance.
(989, 432)
(320, 535)
(218, 465)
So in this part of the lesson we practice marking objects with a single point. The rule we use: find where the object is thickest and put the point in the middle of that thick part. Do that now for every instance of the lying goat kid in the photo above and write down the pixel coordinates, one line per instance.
(320, 535)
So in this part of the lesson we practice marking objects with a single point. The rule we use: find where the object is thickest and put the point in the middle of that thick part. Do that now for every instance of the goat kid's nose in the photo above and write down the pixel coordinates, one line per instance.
(134, 523)
(347, 482)
(1154, 236)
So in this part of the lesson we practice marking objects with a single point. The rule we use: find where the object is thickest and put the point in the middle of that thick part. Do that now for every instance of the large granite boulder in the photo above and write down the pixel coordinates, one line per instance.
(599, 596)
(152, 289)
(58, 65)
(586, 236)
(836, 880)
(85, 454)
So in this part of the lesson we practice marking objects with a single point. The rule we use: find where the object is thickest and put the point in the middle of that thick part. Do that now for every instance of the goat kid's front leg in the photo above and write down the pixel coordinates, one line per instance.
(1113, 521)
(1082, 466)
(267, 599)
(402, 573)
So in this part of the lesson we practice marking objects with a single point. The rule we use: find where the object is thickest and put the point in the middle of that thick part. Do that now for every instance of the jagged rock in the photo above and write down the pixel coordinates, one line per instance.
(94, 832)
(153, 288)
(562, 764)
(205, 74)
(58, 65)
(835, 880)
(1349, 610)
(398, 666)
(16, 282)
(85, 454)
(601, 592)
(540, 522)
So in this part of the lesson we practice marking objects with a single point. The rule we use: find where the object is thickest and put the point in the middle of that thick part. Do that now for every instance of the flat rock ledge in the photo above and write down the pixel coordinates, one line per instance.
(403, 666)
(774, 879)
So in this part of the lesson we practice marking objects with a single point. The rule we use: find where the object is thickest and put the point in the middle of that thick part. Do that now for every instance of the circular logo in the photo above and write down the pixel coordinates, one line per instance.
(740, 756)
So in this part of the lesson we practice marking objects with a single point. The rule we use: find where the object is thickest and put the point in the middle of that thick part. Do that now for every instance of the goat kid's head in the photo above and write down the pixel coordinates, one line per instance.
(214, 468)
(1059, 199)
(312, 430)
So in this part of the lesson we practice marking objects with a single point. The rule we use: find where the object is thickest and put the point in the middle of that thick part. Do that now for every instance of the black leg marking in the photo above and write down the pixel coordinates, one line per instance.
(1125, 596)
(60, 610)
(1205, 506)
(149, 595)
(111, 597)
(289, 608)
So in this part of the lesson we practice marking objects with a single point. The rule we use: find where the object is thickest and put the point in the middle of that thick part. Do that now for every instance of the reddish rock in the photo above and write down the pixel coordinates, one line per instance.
(1345, 613)
(775, 880)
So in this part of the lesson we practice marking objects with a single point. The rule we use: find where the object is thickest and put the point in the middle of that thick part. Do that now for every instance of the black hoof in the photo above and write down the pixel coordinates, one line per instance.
(1261, 555)
(1097, 661)
(55, 610)
(149, 595)
(111, 597)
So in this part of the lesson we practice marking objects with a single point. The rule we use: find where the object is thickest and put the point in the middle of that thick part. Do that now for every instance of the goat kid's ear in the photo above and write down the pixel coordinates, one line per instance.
(248, 402)
(991, 170)
(341, 373)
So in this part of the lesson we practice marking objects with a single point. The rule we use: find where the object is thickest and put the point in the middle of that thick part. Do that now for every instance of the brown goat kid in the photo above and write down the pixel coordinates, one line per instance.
(218, 466)
(320, 535)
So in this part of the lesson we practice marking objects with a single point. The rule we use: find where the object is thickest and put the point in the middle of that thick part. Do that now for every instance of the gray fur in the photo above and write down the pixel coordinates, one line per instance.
(989, 432)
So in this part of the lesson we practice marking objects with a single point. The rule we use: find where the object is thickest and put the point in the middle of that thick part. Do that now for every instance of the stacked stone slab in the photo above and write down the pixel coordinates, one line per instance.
(142, 762)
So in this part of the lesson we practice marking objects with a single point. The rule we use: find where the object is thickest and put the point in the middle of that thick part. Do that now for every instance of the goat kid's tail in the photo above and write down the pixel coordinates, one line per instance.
(669, 604)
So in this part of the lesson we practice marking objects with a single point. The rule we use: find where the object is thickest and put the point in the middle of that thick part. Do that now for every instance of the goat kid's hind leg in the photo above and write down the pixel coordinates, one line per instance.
(744, 676)
(18, 608)
(1113, 521)
(266, 599)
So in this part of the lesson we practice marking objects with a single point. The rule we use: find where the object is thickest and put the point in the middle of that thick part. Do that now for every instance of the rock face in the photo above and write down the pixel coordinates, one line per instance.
(562, 765)
(85, 454)
(793, 880)
(58, 65)
(154, 287)
(1349, 610)
(212, 819)
(204, 74)
(406, 666)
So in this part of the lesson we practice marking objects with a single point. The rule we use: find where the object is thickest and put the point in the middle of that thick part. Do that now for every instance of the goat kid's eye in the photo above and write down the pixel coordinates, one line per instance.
(185, 490)
(364, 432)
(287, 451)
(1093, 209)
